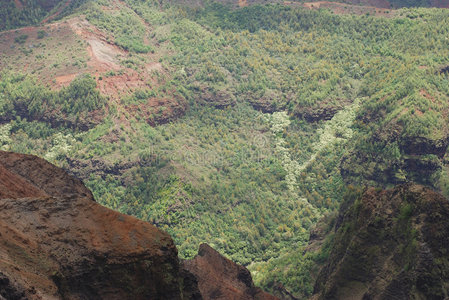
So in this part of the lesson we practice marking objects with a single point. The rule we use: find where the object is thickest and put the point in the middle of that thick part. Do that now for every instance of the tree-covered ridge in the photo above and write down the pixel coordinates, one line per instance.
(13, 16)
(19, 13)
(21, 97)
(324, 59)
(286, 106)
(23, 13)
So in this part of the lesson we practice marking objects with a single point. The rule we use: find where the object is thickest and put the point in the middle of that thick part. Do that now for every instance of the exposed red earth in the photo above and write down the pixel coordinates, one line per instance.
(58, 243)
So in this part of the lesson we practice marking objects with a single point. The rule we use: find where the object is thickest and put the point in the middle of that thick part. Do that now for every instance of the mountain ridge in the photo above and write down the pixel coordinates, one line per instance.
(58, 243)
(240, 127)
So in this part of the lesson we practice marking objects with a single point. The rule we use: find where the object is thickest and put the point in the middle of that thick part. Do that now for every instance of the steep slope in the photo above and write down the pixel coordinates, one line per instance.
(17, 13)
(220, 278)
(112, 44)
(339, 5)
(389, 244)
(58, 243)
(220, 173)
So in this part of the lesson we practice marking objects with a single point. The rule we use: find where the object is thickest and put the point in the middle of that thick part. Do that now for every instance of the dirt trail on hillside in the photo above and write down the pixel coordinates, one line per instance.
(105, 58)
(67, 3)
(65, 80)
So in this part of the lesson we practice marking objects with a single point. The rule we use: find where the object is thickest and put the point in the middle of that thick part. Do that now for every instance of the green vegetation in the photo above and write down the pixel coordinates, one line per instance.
(22, 98)
(41, 34)
(20, 13)
(21, 39)
(126, 28)
(298, 269)
(251, 184)
(13, 16)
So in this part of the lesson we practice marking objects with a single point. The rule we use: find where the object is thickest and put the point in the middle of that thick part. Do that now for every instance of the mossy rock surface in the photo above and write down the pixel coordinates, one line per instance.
(389, 244)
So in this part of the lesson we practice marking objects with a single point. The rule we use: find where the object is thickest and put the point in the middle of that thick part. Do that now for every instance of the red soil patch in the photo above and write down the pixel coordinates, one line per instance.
(243, 3)
(104, 56)
(220, 276)
(121, 83)
(426, 95)
(18, 4)
(13, 186)
(65, 80)
(52, 229)
(114, 79)
(159, 110)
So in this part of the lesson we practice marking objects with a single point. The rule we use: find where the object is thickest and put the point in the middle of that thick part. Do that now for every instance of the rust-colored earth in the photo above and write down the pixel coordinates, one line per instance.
(18, 4)
(57, 242)
(222, 279)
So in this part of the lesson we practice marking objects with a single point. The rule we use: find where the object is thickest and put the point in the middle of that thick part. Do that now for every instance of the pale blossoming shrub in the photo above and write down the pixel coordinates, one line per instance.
(336, 130)
(5, 137)
(61, 146)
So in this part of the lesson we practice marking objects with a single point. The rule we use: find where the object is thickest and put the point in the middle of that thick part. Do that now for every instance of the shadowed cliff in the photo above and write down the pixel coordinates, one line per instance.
(389, 244)
(58, 243)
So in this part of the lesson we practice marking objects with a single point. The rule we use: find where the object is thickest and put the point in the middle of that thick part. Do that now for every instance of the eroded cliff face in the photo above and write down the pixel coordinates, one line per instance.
(220, 278)
(418, 160)
(58, 243)
(389, 244)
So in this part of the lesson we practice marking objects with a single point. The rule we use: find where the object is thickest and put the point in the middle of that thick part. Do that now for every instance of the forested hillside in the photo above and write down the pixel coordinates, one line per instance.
(17, 13)
(236, 127)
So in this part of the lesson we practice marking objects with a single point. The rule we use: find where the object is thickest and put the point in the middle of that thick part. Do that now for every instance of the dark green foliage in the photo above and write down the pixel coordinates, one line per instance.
(215, 175)
(41, 34)
(410, 3)
(21, 96)
(234, 182)
(13, 17)
(127, 30)
(133, 43)
(31, 12)
(386, 234)
(81, 95)
(21, 39)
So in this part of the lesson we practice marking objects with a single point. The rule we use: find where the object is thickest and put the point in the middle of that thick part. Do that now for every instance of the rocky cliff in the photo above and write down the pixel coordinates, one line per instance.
(220, 278)
(389, 244)
(58, 243)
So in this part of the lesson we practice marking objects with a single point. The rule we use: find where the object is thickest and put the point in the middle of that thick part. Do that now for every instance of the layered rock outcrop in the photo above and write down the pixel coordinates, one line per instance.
(324, 111)
(216, 98)
(58, 243)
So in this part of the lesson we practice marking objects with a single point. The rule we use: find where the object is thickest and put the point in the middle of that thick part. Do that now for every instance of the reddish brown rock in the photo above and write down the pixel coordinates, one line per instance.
(57, 243)
(220, 278)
